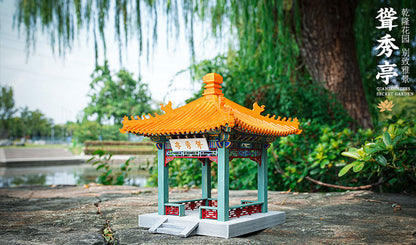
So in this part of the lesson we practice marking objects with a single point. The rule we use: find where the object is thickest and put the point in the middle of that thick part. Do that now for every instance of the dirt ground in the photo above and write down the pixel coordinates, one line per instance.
(77, 215)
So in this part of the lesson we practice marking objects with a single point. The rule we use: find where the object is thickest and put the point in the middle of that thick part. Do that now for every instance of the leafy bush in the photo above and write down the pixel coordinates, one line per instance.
(101, 160)
(391, 156)
(315, 153)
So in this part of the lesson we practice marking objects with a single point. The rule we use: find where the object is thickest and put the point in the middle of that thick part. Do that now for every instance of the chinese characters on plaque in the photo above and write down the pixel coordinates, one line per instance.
(193, 144)
(405, 44)
(387, 70)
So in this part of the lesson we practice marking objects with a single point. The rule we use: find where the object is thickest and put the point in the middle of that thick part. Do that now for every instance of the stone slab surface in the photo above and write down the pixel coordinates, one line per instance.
(69, 215)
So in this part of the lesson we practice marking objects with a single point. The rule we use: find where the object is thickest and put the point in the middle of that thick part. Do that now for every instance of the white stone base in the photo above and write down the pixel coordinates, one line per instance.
(207, 227)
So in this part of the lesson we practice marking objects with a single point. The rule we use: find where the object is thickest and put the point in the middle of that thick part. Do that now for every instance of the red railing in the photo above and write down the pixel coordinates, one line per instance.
(196, 203)
(210, 211)
(245, 209)
(178, 208)
(171, 210)
(193, 204)
(212, 202)
(207, 213)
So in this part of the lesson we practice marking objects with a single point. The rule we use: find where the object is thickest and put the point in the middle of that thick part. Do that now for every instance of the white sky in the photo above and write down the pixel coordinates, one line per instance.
(58, 86)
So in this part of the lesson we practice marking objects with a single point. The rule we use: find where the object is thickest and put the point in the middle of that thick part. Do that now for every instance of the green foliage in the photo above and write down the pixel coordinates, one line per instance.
(32, 124)
(391, 155)
(185, 172)
(243, 174)
(92, 130)
(182, 173)
(109, 235)
(36, 123)
(29, 180)
(315, 153)
(63, 21)
(6, 110)
(101, 160)
(87, 130)
(115, 96)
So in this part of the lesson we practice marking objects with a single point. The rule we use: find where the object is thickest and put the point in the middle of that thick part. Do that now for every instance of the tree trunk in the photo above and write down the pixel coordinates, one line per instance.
(328, 50)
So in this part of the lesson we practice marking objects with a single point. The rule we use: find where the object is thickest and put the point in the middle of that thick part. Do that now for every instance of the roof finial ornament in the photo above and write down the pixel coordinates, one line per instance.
(213, 84)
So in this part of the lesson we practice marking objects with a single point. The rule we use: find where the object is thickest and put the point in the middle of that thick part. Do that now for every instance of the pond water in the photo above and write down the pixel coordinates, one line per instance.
(59, 175)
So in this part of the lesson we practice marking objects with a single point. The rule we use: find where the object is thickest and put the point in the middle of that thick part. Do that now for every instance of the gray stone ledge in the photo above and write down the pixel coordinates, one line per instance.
(68, 215)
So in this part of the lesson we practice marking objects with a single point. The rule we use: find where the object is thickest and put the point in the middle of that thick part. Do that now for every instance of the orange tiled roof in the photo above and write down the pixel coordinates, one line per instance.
(210, 112)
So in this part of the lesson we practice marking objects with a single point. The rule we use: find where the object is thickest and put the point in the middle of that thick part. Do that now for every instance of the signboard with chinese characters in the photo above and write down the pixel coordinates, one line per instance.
(387, 71)
(194, 144)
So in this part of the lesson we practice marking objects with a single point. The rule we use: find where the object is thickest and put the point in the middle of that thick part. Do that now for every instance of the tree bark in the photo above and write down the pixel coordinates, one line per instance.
(328, 50)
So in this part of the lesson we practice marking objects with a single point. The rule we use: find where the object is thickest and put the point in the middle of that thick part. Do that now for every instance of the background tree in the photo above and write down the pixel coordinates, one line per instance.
(115, 96)
(32, 124)
(37, 124)
(328, 49)
(6, 110)
(280, 41)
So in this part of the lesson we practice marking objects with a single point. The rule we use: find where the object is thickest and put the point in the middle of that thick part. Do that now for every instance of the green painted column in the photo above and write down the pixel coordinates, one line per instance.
(223, 184)
(162, 180)
(206, 179)
(262, 180)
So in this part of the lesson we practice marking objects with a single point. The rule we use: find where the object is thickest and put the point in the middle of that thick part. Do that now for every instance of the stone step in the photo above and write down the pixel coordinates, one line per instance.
(189, 229)
(156, 225)
(170, 231)
(176, 227)
(173, 226)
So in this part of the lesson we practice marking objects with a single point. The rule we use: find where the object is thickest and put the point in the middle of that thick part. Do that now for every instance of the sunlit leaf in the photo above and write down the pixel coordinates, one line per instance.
(345, 169)
(386, 139)
(354, 155)
(358, 166)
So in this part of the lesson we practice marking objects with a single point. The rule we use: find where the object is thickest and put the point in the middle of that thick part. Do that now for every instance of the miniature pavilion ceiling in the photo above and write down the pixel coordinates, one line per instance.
(211, 112)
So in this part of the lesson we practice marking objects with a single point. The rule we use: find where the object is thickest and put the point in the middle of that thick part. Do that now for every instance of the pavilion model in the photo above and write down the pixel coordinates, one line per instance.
(211, 129)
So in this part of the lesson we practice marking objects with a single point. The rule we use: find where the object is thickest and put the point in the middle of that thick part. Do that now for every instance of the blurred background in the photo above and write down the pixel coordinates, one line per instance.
(70, 71)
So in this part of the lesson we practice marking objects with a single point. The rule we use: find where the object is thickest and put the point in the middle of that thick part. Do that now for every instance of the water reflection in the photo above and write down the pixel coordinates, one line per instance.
(39, 179)
(59, 175)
